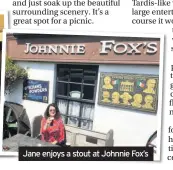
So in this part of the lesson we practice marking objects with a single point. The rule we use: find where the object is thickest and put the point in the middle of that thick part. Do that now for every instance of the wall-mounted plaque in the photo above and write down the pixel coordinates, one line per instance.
(131, 91)
(36, 90)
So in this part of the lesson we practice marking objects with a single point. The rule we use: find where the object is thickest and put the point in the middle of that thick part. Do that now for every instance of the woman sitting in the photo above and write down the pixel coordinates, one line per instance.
(52, 127)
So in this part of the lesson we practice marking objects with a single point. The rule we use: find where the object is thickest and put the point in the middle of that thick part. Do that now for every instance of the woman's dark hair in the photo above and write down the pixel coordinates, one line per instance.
(46, 113)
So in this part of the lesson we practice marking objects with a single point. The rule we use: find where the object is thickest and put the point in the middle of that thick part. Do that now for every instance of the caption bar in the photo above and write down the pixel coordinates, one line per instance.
(85, 153)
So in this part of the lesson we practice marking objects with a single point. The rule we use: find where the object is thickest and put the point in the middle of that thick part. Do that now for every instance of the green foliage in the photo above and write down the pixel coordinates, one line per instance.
(13, 73)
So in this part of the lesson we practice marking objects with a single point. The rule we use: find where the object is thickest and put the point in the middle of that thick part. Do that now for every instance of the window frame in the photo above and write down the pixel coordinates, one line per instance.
(68, 98)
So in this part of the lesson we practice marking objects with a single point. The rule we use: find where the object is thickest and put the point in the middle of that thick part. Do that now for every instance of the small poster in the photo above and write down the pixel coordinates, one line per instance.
(36, 90)
(133, 91)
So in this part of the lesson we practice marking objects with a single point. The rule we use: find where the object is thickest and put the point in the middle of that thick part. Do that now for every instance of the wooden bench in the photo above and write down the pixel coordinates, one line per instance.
(80, 137)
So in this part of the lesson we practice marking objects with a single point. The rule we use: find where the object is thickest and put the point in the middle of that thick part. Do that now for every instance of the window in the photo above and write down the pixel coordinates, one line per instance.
(75, 94)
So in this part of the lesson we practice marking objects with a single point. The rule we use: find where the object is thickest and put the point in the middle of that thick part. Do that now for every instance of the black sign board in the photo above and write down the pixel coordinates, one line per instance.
(133, 91)
(36, 90)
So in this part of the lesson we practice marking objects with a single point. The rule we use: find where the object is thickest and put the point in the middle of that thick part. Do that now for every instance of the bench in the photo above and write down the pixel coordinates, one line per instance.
(80, 137)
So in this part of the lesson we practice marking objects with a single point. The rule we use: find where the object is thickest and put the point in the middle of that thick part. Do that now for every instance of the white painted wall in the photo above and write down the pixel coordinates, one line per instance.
(131, 128)
(37, 71)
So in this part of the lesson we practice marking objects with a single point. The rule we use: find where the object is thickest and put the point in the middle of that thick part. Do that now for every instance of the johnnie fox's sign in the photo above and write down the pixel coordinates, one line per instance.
(147, 48)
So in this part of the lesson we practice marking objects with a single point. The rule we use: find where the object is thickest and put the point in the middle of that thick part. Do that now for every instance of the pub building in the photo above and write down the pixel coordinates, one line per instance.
(99, 83)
